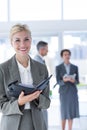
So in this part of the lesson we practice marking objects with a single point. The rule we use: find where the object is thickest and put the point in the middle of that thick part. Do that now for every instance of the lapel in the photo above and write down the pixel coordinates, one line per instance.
(13, 70)
(33, 71)
(63, 68)
(71, 68)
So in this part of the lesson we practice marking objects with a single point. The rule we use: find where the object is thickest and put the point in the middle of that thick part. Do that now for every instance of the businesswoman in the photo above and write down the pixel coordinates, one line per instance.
(67, 78)
(24, 112)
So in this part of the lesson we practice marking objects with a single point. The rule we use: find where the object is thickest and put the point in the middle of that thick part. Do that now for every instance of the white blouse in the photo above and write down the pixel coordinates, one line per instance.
(26, 77)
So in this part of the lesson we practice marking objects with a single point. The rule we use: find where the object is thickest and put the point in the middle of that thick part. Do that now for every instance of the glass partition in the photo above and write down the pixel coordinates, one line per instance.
(3, 10)
(21, 10)
(74, 9)
(35, 10)
(6, 50)
(77, 43)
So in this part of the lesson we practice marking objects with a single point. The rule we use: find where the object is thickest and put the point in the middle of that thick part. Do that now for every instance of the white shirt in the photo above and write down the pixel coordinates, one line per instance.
(26, 77)
(42, 57)
(67, 67)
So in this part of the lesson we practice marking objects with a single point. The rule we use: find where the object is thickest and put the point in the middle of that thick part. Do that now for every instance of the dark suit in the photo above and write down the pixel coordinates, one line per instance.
(68, 92)
(45, 113)
(9, 106)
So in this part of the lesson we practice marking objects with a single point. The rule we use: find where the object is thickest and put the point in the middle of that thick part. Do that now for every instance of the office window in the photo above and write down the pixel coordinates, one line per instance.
(26, 10)
(77, 43)
(6, 50)
(3, 11)
(75, 9)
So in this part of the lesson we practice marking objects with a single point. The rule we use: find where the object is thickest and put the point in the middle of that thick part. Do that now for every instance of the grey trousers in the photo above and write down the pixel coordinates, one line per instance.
(45, 115)
(26, 122)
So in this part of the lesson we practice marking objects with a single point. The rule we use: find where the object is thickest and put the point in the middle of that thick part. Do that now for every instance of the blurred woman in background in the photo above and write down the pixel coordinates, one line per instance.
(67, 78)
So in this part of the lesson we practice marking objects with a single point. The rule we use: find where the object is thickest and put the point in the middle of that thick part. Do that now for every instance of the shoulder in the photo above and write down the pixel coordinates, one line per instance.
(59, 66)
(38, 67)
(74, 66)
(36, 57)
(7, 63)
(37, 64)
(9, 67)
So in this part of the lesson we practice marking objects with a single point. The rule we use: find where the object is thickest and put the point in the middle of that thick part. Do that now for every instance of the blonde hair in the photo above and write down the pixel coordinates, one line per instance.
(19, 28)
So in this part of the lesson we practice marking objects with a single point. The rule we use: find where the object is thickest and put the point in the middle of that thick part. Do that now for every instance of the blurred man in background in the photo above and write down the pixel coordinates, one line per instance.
(42, 48)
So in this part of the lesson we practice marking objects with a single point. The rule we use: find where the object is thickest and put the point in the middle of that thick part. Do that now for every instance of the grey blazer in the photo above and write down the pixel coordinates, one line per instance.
(11, 112)
(60, 72)
(39, 59)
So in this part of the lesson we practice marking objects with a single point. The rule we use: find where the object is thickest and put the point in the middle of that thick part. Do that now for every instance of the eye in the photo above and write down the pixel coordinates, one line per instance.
(27, 39)
(17, 40)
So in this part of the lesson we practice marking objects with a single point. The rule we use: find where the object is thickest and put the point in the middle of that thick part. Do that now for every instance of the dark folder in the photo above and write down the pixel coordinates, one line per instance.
(15, 88)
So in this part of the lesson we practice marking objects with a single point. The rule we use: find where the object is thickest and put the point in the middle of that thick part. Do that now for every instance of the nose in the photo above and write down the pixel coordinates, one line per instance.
(22, 43)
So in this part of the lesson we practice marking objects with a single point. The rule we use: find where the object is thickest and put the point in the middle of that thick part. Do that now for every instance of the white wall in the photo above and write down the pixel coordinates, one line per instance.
(47, 27)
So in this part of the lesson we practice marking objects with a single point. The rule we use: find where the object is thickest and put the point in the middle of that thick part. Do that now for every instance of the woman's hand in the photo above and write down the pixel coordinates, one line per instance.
(72, 80)
(24, 99)
(66, 79)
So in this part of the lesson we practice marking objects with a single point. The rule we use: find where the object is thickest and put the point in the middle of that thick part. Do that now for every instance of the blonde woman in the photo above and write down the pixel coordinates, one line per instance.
(24, 112)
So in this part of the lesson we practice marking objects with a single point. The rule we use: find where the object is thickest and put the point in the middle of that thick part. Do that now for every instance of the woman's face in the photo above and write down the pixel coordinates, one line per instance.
(21, 43)
(66, 56)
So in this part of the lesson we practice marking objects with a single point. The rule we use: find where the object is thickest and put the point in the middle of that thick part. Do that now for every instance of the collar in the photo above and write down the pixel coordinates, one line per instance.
(22, 68)
(66, 64)
(41, 56)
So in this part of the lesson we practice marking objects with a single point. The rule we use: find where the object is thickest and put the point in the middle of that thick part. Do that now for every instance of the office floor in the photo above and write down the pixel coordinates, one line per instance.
(58, 128)
(81, 124)
(54, 120)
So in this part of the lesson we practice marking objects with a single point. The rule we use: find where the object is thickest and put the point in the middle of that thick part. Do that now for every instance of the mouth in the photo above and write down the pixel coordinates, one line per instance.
(23, 49)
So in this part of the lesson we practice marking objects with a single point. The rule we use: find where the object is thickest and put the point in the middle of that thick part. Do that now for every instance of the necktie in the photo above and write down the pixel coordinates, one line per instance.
(44, 61)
